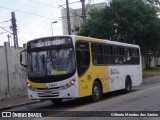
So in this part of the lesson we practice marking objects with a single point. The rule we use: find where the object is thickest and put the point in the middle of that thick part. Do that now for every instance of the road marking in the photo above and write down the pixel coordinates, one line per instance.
(100, 102)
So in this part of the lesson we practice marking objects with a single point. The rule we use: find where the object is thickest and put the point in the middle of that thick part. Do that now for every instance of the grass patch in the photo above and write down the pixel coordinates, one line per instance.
(153, 71)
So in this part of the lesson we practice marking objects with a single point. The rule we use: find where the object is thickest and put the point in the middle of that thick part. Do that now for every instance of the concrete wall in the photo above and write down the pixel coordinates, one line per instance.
(12, 74)
(155, 61)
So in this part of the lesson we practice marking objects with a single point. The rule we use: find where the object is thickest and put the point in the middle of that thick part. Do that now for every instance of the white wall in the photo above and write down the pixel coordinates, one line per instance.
(155, 61)
(12, 74)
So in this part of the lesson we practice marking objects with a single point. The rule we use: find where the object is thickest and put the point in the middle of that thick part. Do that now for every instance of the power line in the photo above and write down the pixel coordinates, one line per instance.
(42, 3)
(65, 17)
(28, 34)
(5, 29)
(3, 32)
(61, 6)
(70, 3)
(26, 12)
(20, 31)
(5, 21)
(65, 8)
(89, 2)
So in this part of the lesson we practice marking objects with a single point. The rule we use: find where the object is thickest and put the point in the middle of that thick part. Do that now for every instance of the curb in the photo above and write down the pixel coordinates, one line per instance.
(19, 105)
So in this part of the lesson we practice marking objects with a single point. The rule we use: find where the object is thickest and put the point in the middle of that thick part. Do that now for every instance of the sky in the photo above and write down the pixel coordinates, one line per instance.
(34, 18)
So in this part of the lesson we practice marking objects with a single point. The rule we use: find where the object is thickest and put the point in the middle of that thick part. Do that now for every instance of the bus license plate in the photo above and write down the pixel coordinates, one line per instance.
(52, 85)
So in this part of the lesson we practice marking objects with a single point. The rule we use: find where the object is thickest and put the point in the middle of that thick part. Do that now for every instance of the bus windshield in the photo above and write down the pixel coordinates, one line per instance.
(51, 62)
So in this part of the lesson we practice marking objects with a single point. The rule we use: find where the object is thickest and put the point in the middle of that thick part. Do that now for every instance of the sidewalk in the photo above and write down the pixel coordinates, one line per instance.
(17, 102)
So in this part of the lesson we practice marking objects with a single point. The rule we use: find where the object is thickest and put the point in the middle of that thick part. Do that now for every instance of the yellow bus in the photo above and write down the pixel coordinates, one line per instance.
(64, 67)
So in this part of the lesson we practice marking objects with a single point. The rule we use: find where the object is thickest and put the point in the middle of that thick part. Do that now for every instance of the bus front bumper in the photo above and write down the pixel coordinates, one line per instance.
(71, 92)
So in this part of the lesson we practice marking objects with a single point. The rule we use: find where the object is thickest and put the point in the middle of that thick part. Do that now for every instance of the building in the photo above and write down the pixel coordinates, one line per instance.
(76, 17)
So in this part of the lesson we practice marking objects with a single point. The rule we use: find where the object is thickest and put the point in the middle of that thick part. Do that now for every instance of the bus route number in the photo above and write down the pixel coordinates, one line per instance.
(52, 85)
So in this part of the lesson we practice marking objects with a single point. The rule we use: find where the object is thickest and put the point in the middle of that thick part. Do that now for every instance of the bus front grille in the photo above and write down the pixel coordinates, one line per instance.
(55, 88)
(46, 89)
(48, 94)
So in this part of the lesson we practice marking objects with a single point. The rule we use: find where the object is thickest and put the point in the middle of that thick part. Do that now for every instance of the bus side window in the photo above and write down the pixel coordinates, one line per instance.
(97, 54)
(83, 56)
(108, 54)
(128, 55)
(116, 54)
(120, 56)
(135, 56)
(137, 52)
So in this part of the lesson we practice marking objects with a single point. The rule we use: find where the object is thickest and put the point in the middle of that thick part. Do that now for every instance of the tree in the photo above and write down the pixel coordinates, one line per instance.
(155, 3)
(131, 21)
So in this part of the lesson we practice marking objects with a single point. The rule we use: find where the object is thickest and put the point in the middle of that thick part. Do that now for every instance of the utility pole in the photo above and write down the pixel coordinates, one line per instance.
(8, 36)
(83, 11)
(14, 29)
(68, 18)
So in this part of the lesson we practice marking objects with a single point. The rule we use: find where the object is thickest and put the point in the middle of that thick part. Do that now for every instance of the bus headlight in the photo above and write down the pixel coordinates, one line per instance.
(28, 84)
(68, 84)
(72, 82)
(30, 87)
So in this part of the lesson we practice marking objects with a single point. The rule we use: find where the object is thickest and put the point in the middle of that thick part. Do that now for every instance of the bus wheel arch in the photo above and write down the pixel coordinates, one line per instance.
(128, 84)
(97, 90)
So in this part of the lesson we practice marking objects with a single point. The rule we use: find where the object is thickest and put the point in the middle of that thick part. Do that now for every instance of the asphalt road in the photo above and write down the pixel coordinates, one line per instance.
(146, 97)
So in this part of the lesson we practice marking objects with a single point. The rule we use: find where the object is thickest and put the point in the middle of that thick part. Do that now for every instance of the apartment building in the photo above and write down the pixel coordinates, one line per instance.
(76, 17)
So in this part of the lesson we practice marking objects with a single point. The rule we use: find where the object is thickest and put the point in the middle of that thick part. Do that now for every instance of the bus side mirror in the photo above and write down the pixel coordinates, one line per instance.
(21, 58)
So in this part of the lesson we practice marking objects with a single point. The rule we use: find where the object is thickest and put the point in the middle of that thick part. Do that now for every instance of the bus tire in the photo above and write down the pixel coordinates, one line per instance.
(128, 85)
(96, 91)
(56, 101)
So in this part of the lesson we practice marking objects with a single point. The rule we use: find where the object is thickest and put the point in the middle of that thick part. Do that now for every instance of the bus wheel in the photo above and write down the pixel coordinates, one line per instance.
(96, 92)
(56, 101)
(128, 85)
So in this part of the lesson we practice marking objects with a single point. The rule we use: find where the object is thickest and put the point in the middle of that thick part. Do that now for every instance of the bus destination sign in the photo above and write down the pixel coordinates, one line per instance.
(50, 42)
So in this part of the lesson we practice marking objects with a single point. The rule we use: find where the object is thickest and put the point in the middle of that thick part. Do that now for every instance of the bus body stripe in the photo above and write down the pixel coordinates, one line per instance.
(37, 85)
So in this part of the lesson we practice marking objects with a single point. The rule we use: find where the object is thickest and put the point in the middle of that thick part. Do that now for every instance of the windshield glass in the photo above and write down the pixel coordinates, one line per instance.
(51, 62)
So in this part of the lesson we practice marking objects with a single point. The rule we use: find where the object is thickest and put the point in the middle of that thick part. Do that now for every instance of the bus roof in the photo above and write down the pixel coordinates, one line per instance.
(104, 41)
(77, 37)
